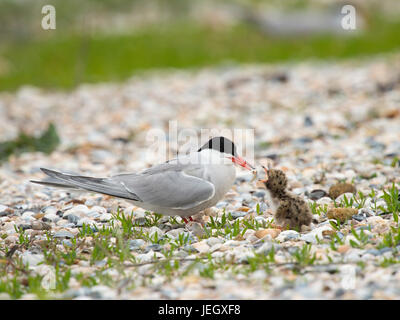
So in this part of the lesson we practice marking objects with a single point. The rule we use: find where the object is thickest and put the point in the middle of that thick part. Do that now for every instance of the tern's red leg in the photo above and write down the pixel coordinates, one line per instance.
(191, 219)
(185, 220)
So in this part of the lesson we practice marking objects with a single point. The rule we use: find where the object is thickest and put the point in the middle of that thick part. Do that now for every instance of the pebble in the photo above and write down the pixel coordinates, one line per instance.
(340, 198)
(141, 221)
(38, 225)
(288, 235)
(93, 214)
(136, 244)
(273, 233)
(324, 200)
(317, 194)
(174, 233)
(265, 248)
(238, 214)
(196, 229)
(73, 219)
(311, 237)
(153, 231)
(249, 235)
(260, 194)
(149, 256)
(90, 202)
(153, 247)
(51, 217)
(201, 247)
(105, 217)
(49, 210)
(79, 210)
(4, 210)
(261, 219)
(24, 226)
(341, 214)
(11, 239)
(341, 188)
(98, 209)
(353, 255)
(213, 240)
(31, 259)
(102, 292)
(67, 243)
(215, 247)
(85, 221)
(28, 214)
(189, 248)
(63, 234)
(359, 217)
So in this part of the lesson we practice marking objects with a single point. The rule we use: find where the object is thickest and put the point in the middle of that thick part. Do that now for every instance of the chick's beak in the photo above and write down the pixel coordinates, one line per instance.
(266, 175)
(243, 163)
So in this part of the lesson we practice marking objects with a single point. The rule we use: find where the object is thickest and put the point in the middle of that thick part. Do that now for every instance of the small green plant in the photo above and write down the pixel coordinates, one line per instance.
(260, 260)
(392, 200)
(182, 239)
(313, 207)
(360, 200)
(208, 269)
(318, 209)
(347, 203)
(258, 210)
(335, 240)
(234, 229)
(361, 237)
(46, 143)
(390, 239)
(303, 256)
(23, 238)
(152, 219)
(87, 230)
(372, 195)
(335, 225)
(395, 162)
(126, 221)
(387, 262)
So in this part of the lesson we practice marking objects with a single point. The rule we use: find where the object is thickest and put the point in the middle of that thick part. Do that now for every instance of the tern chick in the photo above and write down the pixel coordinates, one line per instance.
(290, 210)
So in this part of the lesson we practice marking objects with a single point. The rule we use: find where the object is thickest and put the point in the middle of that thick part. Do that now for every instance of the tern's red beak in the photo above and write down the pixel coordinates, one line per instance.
(241, 162)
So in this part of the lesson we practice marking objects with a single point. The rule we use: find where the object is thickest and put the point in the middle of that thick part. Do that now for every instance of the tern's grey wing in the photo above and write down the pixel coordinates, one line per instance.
(169, 185)
(101, 185)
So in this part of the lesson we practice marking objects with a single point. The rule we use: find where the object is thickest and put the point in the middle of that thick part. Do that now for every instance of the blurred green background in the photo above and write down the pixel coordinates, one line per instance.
(111, 40)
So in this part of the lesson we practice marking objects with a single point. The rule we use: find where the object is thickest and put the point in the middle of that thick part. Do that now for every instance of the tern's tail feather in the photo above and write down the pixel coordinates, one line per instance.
(100, 185)
(54, 183)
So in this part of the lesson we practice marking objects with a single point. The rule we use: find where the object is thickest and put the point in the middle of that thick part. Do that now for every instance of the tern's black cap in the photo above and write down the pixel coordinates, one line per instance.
(220, 144)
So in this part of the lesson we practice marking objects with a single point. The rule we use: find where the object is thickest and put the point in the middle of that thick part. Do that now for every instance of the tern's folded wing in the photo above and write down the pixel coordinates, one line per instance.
(171, 188)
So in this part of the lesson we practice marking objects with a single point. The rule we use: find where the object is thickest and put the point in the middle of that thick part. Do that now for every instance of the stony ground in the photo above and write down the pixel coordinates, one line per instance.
(322, 123)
